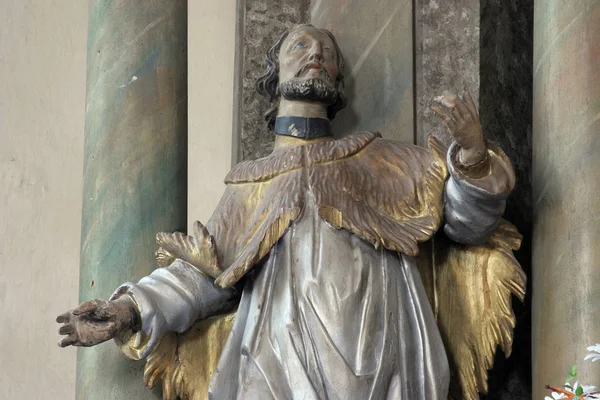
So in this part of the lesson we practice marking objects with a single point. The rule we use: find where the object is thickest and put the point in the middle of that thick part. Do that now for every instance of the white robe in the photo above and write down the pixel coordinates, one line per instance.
(328, 316)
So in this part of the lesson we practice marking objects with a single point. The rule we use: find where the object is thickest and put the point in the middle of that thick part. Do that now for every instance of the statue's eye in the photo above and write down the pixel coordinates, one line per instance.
(300, 45)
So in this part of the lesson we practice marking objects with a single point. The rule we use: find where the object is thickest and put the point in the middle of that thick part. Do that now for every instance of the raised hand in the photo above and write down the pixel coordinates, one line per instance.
(462, 120)
(96, 321)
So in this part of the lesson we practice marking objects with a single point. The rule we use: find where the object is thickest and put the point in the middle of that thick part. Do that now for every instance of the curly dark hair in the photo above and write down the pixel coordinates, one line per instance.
(267, 84)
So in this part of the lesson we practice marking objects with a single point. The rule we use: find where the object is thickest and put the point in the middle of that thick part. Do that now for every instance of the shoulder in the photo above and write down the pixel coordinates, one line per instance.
(395, 149)
(406, 156)
(290, 160)
(367, 147)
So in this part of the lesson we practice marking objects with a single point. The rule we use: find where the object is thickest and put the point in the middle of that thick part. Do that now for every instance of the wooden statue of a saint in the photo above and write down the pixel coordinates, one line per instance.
(307, 277)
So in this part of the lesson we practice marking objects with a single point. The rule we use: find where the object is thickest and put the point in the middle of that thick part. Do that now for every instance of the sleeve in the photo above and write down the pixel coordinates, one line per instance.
(169, 299)
(474, 203)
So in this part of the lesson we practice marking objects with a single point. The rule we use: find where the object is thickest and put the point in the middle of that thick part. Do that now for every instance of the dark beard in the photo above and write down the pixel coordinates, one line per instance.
(314, 89)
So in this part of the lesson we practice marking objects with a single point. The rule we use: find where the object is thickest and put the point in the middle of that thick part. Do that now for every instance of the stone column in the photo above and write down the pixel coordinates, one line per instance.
(446, 58)
(566, 193)
(135, 164)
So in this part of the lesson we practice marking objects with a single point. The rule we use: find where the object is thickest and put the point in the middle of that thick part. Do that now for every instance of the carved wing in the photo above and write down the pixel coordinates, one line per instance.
(470, 290)
(198, 250)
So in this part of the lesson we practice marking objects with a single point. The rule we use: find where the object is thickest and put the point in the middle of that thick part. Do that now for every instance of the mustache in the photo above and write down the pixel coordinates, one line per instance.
(313, 89)
(305, 68)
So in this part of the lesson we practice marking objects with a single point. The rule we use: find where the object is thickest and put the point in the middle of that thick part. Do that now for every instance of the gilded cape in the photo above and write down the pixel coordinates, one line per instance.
(387, 193)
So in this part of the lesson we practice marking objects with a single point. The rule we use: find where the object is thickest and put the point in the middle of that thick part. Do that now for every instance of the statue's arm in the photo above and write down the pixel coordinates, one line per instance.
(481, 176)
(172, 299)
(137, 315)
(474, 203)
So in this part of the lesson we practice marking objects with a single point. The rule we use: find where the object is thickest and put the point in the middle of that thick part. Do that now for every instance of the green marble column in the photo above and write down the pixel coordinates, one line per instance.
(135, 164)
(566, 193)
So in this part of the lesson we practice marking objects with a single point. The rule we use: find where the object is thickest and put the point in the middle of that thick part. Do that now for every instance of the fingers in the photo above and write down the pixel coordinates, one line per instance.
(450, 123)
(63, 318)
(68, 341)
(66, 329)
(457, 115)
(471, 104)
(447, 99)
(458, 107)
(87, 307)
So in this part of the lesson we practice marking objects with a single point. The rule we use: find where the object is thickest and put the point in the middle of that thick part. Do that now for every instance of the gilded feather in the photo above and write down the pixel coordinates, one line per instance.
(470, 289)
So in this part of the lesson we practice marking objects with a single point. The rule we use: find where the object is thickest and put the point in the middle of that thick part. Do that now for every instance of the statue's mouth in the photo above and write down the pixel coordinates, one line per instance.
(314, 65)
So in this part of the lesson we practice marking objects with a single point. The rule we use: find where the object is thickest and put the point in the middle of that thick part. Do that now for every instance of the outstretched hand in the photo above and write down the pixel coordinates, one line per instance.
(462, 120)
(96, 321)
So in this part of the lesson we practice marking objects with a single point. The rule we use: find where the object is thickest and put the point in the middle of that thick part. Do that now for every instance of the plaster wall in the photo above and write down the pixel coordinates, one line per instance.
(42, 96)
(211, 51)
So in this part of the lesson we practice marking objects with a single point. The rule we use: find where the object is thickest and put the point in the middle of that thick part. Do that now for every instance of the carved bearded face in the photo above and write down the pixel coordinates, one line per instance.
(308, 66)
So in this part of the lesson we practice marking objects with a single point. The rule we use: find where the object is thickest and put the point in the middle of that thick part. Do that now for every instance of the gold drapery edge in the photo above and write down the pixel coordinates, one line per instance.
(474, 287)
(184, 363)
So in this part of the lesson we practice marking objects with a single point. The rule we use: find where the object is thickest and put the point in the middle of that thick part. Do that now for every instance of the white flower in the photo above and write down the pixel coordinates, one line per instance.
(573, 389)
(595, 353)
(555, 396)
(586, 388)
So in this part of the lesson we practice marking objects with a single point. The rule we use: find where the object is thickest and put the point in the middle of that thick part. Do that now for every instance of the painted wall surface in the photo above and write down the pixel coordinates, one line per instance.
(42, 93)
(42, 107)
(211, 51)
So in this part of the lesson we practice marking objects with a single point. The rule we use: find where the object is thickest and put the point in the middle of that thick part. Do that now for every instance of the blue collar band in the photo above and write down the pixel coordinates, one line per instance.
(302, 127)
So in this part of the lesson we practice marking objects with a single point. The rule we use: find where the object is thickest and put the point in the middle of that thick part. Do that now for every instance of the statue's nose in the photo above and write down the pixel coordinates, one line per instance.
(316, 54)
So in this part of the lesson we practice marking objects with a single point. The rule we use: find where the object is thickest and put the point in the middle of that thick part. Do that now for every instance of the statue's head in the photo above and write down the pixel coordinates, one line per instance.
(305, 63)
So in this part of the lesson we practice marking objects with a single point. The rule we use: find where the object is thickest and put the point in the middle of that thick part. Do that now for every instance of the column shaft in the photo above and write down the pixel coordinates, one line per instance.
(135, 163)
(566, 194)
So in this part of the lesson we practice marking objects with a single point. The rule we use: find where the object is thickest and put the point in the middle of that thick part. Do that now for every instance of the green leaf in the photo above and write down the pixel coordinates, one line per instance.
(579, 391)
(573, 371)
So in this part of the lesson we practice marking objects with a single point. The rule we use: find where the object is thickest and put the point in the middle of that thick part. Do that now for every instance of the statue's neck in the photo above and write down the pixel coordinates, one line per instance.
(287, 142)
(299, 108)
(305, 109)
